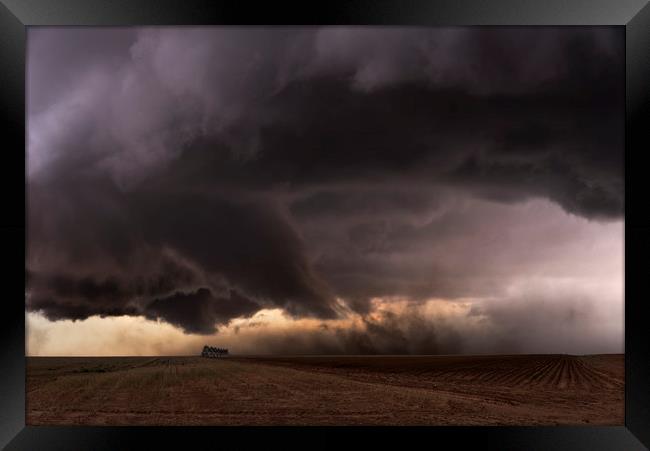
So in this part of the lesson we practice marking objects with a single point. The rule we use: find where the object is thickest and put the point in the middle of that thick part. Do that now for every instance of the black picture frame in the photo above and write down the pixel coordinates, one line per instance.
(16, 15)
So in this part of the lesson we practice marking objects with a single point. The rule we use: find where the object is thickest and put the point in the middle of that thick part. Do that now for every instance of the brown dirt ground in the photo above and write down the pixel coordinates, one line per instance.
(327, 390)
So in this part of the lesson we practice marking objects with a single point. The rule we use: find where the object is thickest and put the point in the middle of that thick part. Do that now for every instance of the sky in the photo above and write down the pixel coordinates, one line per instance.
(325, 190)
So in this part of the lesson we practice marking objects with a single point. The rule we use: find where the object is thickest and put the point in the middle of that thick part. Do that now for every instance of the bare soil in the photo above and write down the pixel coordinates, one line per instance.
(327, 390)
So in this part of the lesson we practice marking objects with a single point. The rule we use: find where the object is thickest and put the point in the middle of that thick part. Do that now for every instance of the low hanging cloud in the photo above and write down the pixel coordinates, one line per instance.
(197, 175)
(552, 317)
(228, 244)
(200, 311)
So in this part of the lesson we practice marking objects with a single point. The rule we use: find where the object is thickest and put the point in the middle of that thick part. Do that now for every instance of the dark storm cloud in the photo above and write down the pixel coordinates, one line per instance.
(246, 240)
(565, 145)
(83, 293)
(243, 243)
(198, 174)
(200, 311)
(369, 202)
(62, 296)
(69, 297)
(457, 139)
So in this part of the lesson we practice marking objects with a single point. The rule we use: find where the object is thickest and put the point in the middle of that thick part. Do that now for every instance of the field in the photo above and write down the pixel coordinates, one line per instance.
(327, 390)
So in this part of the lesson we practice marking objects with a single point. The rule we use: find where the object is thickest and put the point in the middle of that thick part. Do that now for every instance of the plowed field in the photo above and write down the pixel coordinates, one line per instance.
(327, 390)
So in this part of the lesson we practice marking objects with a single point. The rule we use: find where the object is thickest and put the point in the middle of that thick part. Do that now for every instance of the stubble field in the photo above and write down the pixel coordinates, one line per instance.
(327, 390)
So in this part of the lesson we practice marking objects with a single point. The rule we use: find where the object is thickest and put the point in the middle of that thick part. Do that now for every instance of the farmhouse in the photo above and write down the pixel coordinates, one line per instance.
(212, 352)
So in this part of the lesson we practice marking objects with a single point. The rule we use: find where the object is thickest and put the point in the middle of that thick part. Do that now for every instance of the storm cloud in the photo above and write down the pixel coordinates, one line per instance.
(197, 175)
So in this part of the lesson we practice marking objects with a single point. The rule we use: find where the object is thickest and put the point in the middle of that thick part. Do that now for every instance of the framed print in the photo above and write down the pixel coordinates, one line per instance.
(259, 222)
